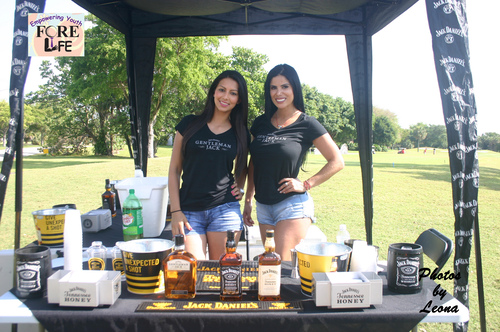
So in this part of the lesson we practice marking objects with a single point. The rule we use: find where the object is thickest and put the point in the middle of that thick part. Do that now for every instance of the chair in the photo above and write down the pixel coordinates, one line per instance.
(244, 237)
(437, 247)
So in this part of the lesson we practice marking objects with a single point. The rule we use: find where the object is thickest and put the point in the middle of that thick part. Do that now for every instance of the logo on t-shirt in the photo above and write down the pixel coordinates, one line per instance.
(270, 138)
(213, 144)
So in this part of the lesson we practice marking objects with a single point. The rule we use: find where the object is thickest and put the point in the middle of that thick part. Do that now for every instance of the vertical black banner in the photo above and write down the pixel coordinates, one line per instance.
(449, 30)
(19, 71)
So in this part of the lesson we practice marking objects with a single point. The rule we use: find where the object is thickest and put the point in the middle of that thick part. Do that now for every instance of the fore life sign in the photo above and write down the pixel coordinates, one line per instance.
(56, 34)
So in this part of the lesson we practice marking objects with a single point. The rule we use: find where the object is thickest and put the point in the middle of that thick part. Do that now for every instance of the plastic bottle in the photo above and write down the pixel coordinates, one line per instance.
(97, 256)
(132, 217)
(342, 234)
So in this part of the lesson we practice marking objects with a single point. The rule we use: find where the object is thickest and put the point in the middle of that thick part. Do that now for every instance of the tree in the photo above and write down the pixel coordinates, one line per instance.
(489, 141)
(4, 119)
(384, 131)
(436, 136)
(183, 70)
(251, 65)
(418, 133)
(336, 115)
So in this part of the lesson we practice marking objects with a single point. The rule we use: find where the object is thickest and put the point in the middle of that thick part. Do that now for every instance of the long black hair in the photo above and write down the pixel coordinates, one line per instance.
(292, 76)
(238, 118)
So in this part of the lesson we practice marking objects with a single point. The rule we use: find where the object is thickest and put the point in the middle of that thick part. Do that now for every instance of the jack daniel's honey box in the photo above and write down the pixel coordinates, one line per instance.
(87, 288)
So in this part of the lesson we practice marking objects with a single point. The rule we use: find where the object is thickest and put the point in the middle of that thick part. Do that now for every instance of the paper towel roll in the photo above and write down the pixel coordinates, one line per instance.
(73, 240)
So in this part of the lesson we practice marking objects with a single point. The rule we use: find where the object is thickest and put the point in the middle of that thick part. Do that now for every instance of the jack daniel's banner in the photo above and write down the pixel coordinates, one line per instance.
(19, 70)
(449, 30)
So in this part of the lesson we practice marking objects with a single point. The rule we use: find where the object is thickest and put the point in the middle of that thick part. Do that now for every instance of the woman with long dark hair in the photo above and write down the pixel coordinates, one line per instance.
(207, 147)
(281, 139)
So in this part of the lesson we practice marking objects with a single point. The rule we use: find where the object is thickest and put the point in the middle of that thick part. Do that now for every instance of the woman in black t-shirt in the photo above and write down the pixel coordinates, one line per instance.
(205, 149)
(281, 139)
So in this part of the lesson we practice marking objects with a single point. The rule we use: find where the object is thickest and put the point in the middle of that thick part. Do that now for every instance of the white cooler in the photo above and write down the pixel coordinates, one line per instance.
(153, 194)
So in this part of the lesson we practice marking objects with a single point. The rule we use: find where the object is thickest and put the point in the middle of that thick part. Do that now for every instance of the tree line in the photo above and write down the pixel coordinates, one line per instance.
(84, 100)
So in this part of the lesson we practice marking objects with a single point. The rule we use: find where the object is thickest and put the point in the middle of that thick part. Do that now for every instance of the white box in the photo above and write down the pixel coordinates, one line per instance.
(87, 288)
(153, 194)
(346, 289)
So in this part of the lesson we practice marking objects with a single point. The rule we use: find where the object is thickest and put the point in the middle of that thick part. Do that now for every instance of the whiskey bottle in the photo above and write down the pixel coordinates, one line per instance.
(109, 199)
(269, 271)
(230, 271)
(179, 269)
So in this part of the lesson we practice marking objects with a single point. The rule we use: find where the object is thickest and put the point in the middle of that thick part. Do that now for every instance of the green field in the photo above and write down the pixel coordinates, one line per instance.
(412, 192)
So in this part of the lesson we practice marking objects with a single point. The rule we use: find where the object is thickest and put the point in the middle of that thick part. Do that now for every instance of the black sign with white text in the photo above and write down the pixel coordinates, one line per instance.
(449, 29)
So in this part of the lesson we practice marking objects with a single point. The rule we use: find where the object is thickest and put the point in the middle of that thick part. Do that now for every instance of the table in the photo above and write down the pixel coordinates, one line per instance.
(399, 312)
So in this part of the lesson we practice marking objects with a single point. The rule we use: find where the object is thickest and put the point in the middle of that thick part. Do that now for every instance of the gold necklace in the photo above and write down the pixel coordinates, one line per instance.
(284, 123)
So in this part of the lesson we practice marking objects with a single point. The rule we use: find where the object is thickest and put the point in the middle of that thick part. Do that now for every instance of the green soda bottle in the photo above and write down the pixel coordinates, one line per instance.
(132, 217)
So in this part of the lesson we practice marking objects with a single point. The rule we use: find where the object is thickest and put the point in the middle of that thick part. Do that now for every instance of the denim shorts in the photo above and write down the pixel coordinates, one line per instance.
(221, 218)
(294, 207)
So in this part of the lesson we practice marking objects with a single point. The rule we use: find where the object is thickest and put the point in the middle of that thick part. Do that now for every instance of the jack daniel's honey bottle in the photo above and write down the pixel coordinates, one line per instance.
(230, 271)
(269, 271)
(180, 269)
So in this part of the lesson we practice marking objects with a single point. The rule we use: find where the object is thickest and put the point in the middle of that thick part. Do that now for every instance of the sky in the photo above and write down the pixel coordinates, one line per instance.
(404, 75)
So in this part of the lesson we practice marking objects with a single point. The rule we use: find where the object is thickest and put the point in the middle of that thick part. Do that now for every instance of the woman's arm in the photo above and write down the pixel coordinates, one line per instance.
(334, 160)
(334, 163)
(174, 181)
(247, 211)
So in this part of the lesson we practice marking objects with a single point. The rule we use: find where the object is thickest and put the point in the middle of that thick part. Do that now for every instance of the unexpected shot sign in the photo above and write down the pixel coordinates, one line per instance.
(56, 34)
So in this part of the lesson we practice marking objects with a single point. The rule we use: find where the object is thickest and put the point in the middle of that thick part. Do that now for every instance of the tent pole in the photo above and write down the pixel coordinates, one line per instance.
(479, 274)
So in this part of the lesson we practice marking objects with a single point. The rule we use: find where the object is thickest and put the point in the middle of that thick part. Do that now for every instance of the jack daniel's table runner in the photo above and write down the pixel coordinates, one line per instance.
(151, 306)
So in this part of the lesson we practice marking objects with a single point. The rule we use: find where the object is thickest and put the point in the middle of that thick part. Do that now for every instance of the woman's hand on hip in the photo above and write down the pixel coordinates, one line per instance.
(237, 192)
(289, 185)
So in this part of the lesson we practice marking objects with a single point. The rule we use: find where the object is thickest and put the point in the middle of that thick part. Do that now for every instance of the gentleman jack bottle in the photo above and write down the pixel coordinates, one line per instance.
(179, 269)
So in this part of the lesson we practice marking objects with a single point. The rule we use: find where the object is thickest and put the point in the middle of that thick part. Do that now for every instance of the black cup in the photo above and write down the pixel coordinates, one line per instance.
(404, 260)
(33, 268)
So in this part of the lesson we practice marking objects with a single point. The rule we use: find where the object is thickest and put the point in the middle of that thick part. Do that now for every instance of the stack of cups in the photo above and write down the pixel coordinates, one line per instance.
(364, 257)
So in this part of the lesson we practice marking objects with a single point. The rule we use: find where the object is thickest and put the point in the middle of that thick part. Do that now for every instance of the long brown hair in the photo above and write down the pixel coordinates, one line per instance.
(238, 118)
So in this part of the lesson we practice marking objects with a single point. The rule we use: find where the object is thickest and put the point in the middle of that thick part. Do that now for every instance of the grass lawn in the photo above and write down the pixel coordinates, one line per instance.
(411, 192)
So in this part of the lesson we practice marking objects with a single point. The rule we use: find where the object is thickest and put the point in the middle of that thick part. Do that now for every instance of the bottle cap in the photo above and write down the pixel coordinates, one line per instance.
(342, 227)
(269, 232)
(179, 240)
(131, 191)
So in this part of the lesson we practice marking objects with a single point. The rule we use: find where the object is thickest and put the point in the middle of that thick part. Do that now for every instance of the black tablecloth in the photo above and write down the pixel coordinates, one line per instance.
(114, 233)
(397, 313)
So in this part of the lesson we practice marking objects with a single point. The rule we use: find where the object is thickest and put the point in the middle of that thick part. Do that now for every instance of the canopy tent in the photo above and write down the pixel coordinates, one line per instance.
(143, 21)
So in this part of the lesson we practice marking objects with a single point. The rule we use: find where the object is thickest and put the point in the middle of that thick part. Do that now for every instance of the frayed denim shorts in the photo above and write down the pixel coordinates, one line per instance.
(294, 207)
(221, 218)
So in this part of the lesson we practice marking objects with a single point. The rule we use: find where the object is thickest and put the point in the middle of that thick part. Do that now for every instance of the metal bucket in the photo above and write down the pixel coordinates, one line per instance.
(143, 264)
(49, 224)
(320, 257)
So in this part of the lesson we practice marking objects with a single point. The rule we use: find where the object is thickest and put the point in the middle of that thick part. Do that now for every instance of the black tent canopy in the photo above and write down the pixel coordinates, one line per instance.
(142, 21)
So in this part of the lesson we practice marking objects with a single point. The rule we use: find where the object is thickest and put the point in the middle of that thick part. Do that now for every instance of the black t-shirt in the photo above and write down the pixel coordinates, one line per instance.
(279, 153)
(207, 168)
